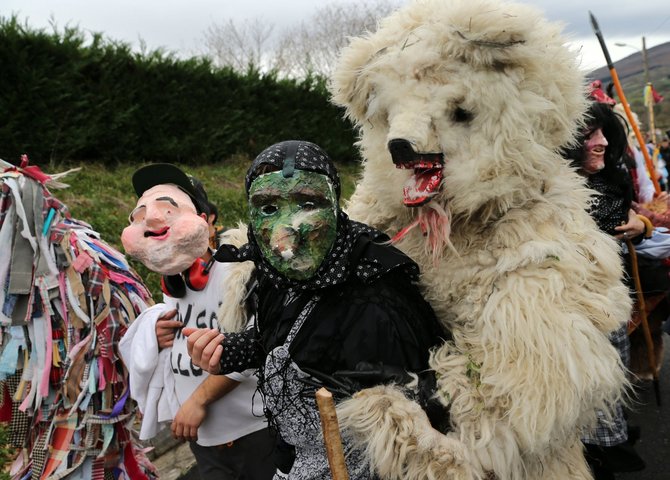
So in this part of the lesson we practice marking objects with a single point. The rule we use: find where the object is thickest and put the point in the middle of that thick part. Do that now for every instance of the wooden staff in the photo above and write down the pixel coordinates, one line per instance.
(331, 434)
(624, 102)
(649, 102)
(642, 309)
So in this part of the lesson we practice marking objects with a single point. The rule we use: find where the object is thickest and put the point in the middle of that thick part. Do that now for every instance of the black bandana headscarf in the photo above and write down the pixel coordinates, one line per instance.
(343, 259)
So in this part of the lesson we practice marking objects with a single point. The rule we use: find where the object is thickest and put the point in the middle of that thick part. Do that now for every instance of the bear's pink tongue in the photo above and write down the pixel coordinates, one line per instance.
(422, 186)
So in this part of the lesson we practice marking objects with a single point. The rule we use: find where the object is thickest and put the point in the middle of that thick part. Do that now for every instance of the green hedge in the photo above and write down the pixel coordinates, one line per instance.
(64, 96)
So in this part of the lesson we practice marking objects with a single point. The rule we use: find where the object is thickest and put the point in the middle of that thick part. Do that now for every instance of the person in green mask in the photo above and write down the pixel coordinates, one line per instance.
(336, 305)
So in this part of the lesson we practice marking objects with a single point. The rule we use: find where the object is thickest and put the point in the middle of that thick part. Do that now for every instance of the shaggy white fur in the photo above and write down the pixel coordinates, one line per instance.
(232, 313)
(532, 287)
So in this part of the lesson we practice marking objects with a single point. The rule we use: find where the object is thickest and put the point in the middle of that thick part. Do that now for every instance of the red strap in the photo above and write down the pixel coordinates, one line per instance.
(33, 171)
(130, 462)
(6, 409)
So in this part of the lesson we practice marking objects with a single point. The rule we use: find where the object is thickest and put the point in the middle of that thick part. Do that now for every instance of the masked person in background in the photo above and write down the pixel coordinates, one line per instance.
(169, 232)
(336, 304)
(598, 157)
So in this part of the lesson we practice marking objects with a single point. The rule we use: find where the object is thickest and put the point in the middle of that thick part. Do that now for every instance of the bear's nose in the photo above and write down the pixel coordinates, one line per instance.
(401, 151)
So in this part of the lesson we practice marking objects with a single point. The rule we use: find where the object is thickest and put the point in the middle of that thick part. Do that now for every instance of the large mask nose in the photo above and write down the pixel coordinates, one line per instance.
(154, 216)
(401, 151)
(284, 241)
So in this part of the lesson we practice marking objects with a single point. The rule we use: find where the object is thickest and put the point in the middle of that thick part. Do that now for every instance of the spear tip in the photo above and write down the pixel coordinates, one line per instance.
(594, 22)
(601, 40)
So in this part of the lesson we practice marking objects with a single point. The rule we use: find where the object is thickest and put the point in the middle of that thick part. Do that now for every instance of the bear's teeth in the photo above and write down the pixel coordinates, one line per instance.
(422, 186)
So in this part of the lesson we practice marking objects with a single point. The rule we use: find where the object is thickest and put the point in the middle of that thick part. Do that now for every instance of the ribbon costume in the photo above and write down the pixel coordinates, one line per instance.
(67, 297)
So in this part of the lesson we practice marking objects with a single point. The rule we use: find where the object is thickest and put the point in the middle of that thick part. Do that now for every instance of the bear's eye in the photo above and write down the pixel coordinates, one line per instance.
(462, 115)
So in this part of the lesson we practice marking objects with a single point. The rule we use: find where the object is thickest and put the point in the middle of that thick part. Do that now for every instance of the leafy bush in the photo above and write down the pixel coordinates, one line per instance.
(66, 97)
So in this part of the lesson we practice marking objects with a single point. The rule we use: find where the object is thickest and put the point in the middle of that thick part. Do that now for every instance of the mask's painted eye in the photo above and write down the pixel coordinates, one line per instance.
(307, 205)
(137, 216)
(462, 115)
(268, 209)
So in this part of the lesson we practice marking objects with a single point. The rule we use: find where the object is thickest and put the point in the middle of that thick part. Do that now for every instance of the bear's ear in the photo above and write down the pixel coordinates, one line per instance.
(515, 40)
(497, 37)
(349, 85)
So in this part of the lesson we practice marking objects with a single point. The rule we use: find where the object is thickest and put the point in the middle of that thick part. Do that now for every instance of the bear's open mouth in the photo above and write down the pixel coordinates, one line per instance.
(425, 183)
(427, 178)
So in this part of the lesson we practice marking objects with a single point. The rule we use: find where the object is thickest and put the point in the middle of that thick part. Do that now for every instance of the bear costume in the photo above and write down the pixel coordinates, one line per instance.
(471, 100)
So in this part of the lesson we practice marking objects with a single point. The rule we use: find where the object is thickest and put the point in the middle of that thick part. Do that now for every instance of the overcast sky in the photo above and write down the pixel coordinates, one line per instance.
(179, 25)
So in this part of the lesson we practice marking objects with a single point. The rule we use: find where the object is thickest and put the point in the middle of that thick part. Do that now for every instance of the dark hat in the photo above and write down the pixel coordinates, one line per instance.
(163, 173)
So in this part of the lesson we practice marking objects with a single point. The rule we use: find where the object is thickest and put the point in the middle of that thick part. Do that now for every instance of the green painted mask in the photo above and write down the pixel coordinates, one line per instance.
(294, 220)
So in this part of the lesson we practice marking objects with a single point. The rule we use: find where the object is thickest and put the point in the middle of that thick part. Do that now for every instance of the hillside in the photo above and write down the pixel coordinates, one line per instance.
(631, 74)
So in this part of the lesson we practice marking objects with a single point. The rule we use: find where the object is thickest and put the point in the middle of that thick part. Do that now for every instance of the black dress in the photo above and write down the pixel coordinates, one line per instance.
(370, 328)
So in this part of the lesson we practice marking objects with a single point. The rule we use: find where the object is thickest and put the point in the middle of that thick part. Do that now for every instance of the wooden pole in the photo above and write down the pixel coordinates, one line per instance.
(624, 102)
(636, 129)
(647, 82)
(642, 308)
(331, 435)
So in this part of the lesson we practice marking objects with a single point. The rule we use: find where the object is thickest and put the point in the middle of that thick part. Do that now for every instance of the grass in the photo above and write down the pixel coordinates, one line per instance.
(103, 196)
(6, 452)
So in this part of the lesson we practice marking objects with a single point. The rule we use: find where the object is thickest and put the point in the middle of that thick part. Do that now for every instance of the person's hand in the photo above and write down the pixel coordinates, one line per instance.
(188, 419)
(633, 228)
(166, 327)
(204, 347)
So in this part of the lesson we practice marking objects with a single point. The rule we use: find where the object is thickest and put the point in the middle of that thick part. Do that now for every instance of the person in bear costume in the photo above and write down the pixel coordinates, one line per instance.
(470, 100)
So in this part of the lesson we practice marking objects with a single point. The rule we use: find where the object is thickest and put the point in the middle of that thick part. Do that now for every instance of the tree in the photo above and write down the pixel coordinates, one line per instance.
(314, 45)
(239, 46)
(308, 48)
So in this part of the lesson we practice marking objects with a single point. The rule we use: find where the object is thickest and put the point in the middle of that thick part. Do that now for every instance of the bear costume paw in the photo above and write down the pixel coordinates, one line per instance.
(399, 439)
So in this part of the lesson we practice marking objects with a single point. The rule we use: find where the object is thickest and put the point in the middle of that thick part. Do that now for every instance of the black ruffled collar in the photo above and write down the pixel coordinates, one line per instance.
(356, 250)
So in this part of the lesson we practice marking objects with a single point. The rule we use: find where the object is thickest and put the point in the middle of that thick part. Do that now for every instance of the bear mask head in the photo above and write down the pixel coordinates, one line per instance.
(469, 99)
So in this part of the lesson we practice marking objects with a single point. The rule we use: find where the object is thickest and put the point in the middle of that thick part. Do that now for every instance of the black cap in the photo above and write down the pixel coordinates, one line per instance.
(163, 173)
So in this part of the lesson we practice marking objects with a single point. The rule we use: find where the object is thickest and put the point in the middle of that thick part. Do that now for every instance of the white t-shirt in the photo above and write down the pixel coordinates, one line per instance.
(239, 412)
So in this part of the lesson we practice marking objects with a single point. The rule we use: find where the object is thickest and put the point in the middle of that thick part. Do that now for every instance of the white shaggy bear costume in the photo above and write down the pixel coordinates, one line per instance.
(477, 96)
